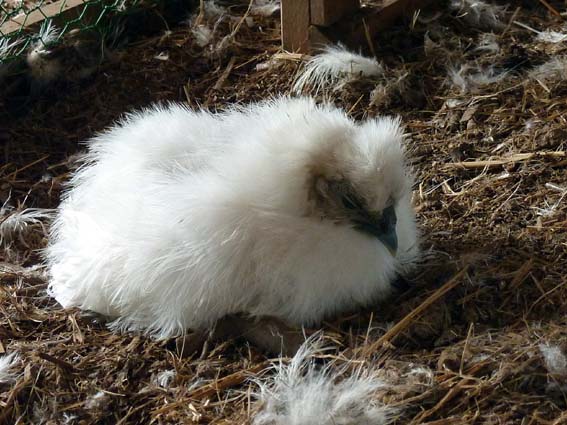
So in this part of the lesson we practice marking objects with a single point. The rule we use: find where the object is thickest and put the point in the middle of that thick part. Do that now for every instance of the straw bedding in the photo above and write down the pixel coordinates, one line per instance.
(477, 335)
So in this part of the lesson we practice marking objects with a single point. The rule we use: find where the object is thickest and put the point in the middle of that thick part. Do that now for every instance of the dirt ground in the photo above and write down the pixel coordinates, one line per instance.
(501, 217)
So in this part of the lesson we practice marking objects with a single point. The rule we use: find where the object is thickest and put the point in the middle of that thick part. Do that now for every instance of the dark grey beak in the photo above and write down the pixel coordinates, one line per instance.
(382, 227)
(390, 241)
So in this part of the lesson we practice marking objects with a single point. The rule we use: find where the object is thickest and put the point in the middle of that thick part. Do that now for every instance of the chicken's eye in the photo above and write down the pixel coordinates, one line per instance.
(350, 203)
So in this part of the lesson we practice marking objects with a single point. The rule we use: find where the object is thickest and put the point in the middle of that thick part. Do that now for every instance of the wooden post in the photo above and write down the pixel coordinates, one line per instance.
(295, 25)
(301, 19)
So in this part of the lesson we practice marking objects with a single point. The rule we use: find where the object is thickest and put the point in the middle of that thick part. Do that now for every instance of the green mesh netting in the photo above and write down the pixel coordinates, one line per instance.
(23, 22)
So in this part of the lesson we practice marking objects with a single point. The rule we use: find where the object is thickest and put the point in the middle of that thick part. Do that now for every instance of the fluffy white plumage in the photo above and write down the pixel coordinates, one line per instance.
(179, 218)
(300, 393)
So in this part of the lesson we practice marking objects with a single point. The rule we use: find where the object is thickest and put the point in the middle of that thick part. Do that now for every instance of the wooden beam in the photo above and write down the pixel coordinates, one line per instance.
(327, 12)
(295, 25)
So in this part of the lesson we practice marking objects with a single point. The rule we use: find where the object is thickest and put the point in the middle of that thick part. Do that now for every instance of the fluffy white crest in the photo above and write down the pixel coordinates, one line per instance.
(179, 218)
(479, 13)
(8, 363)
(334, 67)
(301, 393)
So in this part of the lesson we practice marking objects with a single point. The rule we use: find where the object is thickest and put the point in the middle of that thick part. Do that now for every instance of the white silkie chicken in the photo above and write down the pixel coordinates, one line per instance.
(283, 209)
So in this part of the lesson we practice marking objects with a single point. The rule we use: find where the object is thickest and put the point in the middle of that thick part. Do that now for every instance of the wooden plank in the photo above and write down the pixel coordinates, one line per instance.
(146, 18)
(295, 25)
(66, 7)
(327, 12)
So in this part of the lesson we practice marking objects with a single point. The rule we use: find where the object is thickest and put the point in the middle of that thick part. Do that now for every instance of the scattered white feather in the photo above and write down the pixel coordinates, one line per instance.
(479, 13)
(530, 124)
(203, 35)
(488, 43)
(205, 24)
(213, 10)
(554, 358)
(264, 7)
(48, 34)
(165, 378)
(7, 46)
(551, 71)
(555, 361)
(478, 358)
(162, 56)
(197, 383)
(44, 69)
(549, 36)
(181, 217)
(97, 401)
(422, 375)
(333, 68)
(269, 64)
(469, 78)
(556, 188)
(14, 223)
(69, 419)
(551, 209)
(388, 88)
(301, 393)
(8, 362)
